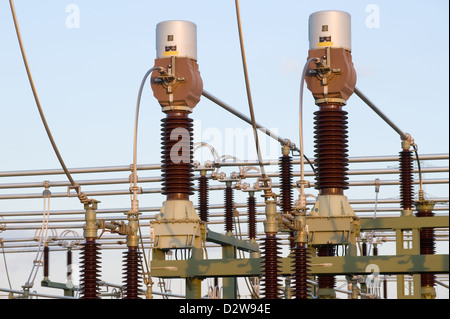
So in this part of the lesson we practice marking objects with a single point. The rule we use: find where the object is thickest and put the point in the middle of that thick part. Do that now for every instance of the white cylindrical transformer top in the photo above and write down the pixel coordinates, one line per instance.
(330, 29)
(176, 38)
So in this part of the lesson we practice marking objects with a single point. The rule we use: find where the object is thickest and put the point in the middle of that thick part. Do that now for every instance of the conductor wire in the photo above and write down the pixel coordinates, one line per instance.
(36, 98)
(300, 121)
(249, 95)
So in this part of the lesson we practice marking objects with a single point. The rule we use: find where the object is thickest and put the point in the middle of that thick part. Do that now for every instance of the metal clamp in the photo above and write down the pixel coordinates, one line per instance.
(261, 181)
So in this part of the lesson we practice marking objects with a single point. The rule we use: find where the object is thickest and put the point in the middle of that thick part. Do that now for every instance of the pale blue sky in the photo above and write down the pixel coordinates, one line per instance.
(87, 78)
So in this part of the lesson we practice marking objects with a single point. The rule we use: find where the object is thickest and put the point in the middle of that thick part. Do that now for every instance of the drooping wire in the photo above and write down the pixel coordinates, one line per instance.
(134, 188)
(300, 121)
(136, 122)
(38, 104)
(249, 96)
(421, 194)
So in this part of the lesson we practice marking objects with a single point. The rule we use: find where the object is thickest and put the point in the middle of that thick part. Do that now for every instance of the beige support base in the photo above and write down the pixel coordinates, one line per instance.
(332, 205)
(178, 226)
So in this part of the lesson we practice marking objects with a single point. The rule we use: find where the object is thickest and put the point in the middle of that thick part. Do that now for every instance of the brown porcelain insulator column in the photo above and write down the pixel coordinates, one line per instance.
(132, 273)
(427, 247)
(331, 149)
(406, 179)
(46, 261)
(285, 166)
(301, 269)
(177, 153)
(203, 196)
(271, 267)
(251, 208)
(90, 266)
(228, 197)
(69, 264)
(286, 181)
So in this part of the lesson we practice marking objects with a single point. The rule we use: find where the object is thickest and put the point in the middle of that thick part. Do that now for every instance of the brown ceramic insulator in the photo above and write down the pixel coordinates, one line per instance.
(251, 207)
(177, 152)
(331, 149)
(301, 269)
(132, 273)
(203, 198)
(228, 209)
(326, 281)
(46, 261)
(271, 267)
(427, 241)
(375, 251)
(69, 263)
(427, 247)
(90, 269)
(286, 176)
(364, 249)
(427, 280)
(406, 180)
(286, 183)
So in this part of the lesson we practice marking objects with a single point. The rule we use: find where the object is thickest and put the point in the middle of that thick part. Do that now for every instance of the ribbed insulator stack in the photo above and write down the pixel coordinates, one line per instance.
(90, 269)
(132, 273)
(69, 264)
(203, 198)
(229, 208)
(251, 208)
(271, 268)
(46, 261)
(177, 152)
(301, 268)
(331, 149)
(286, 188)
(427, 243)
(286, 183)
(326, 281)
(406, 179)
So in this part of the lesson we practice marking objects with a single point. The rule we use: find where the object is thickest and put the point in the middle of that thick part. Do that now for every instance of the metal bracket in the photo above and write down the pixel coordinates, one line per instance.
(261, 181)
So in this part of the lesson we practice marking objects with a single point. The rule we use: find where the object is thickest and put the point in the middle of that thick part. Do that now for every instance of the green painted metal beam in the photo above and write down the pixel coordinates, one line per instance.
(402, 264)
(226, 240)
(404, 222)
(69, 290)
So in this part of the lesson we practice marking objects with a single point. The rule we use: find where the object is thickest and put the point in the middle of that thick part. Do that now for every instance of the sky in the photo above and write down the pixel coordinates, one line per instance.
(88, 58)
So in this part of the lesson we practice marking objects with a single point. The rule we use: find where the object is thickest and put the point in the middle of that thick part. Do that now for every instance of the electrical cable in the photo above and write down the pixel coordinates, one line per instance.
(38, 104)
(249, 96)
(421, 195)
(302, 172)
(134, 188)
(138, 104)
